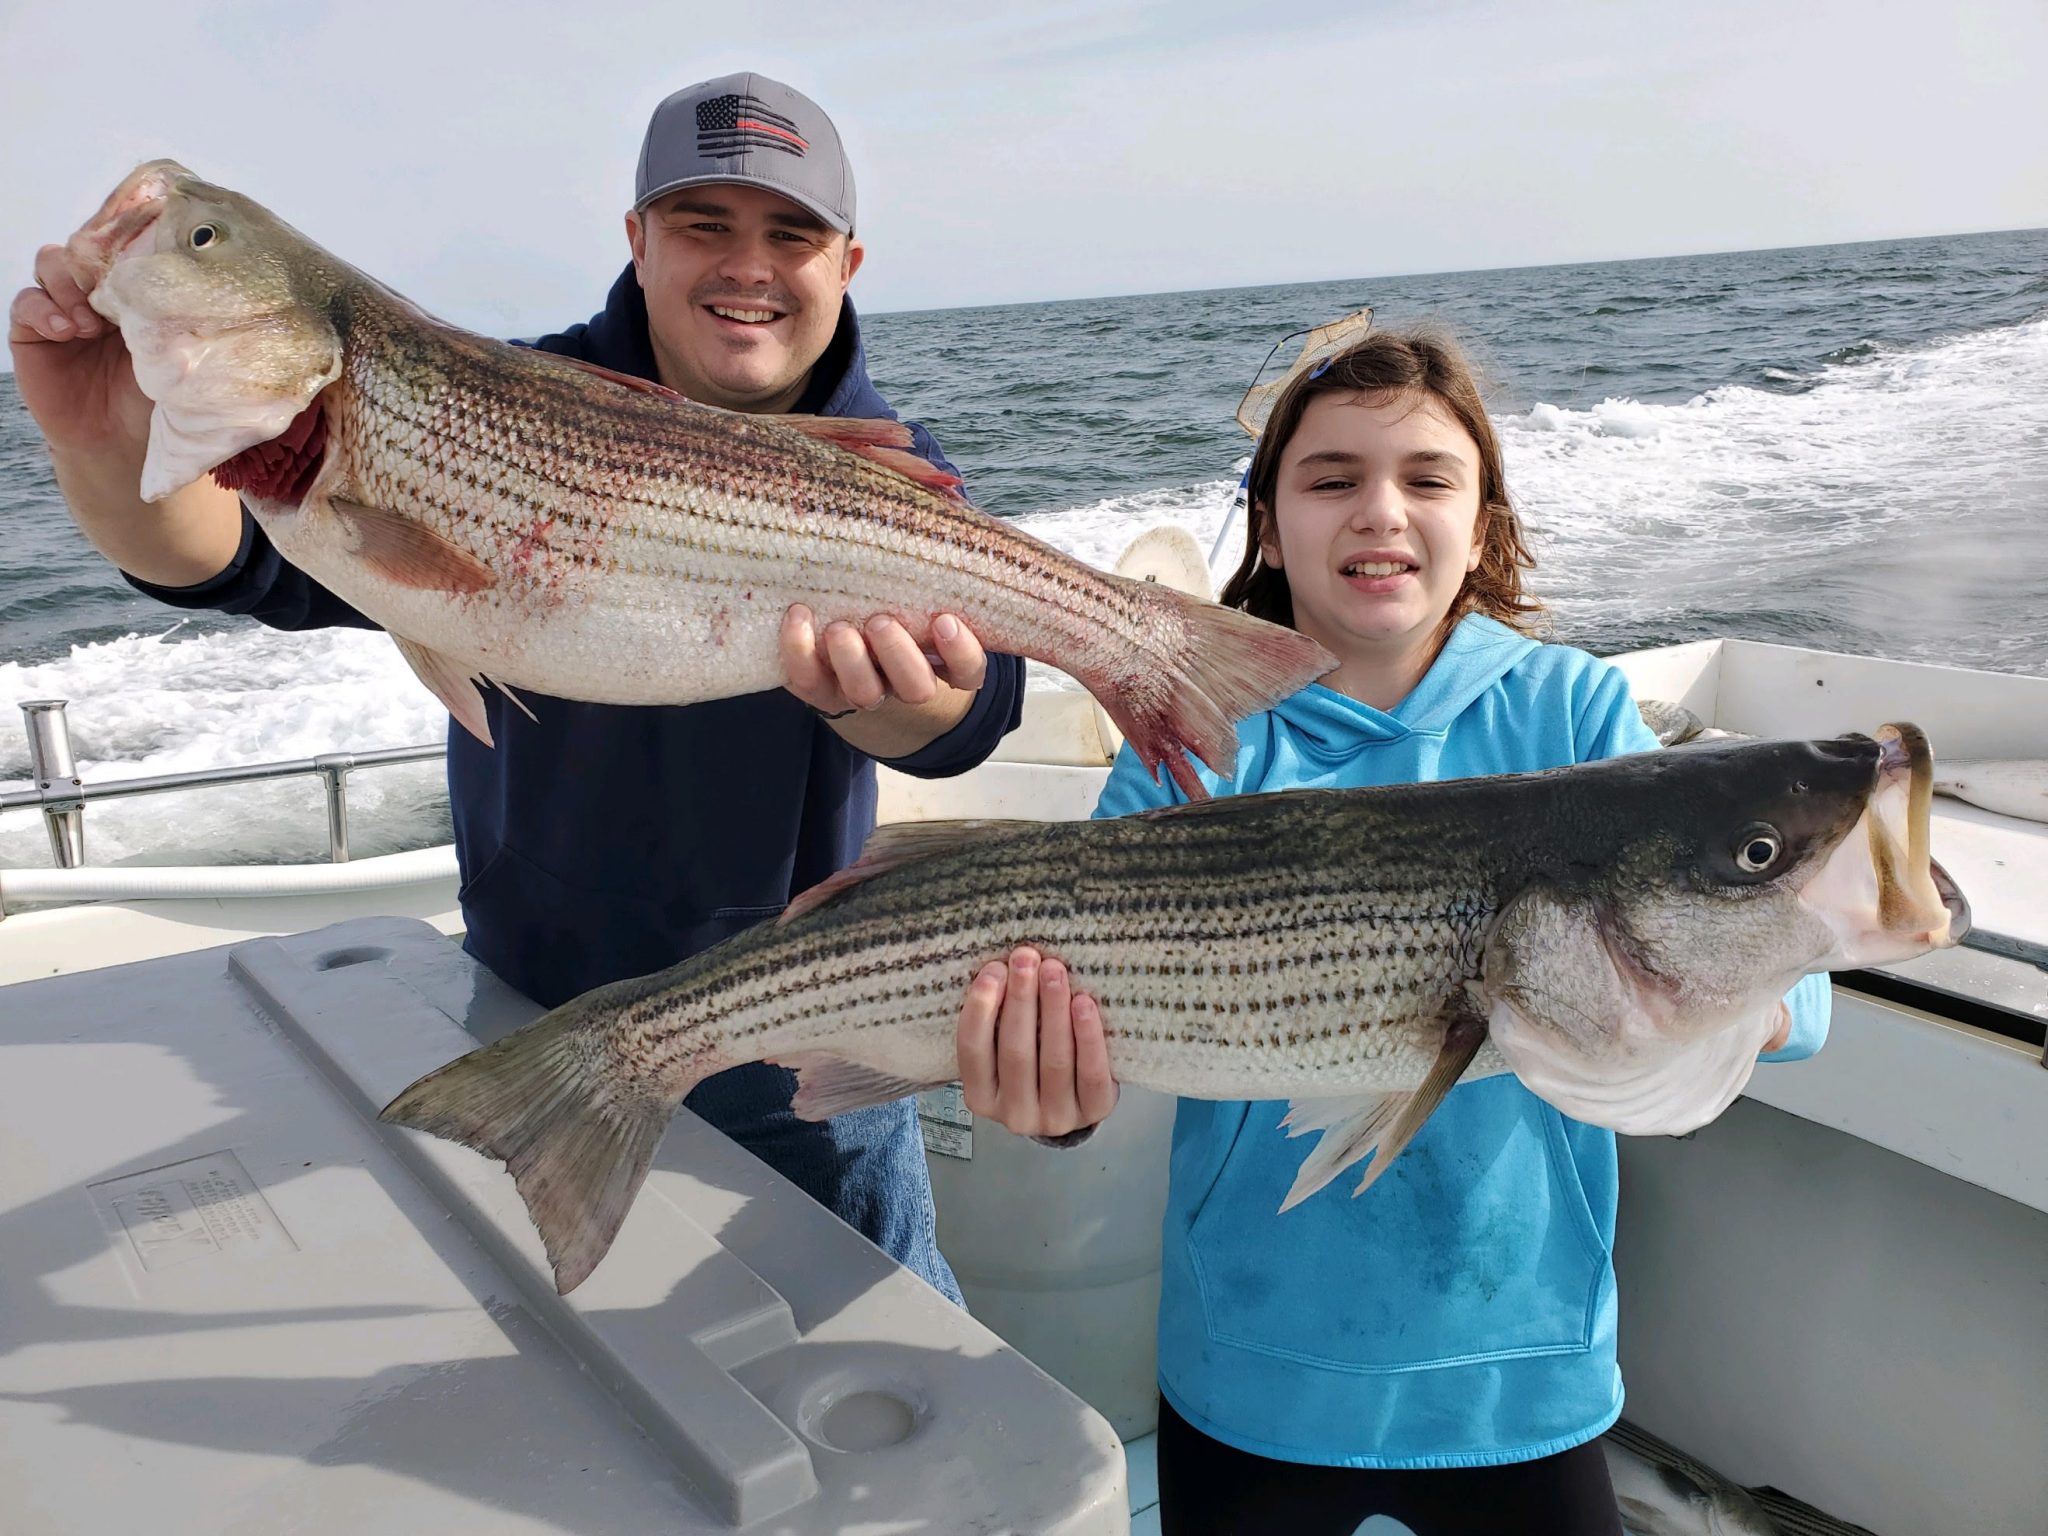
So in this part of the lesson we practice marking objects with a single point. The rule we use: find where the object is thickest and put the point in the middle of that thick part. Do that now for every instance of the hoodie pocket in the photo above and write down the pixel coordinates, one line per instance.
(1478, 1244)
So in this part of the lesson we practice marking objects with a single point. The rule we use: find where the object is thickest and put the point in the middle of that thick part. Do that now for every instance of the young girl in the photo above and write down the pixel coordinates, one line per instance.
(1440, 1350)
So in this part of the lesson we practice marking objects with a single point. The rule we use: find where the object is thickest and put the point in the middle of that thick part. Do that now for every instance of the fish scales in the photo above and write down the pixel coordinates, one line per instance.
(674, 506)
(1196, 960)
(689, 485)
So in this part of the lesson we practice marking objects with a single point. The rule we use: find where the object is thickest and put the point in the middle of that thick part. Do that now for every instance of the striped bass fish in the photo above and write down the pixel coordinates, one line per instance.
(1619, 935)
(514, 517)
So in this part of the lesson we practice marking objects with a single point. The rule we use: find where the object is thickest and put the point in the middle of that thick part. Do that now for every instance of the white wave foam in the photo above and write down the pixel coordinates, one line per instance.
(1100, 531)
(176, 702)
(1635, 508)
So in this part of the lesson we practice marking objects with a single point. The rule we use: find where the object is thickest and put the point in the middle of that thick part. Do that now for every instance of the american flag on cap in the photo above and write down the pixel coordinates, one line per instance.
(729, 126)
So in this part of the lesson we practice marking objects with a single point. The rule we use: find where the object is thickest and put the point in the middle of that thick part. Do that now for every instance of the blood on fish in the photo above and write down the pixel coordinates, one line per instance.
(532, 541)
(283, 469)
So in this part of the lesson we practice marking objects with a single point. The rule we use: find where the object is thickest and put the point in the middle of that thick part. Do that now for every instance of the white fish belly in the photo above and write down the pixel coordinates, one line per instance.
(624, 638)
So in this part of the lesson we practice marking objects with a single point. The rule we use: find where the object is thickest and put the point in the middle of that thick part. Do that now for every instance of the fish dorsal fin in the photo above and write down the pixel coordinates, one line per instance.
(899, 843)
(629, 380)
(904, 841)
(1224, 807)
(852, 433)
(887, 443)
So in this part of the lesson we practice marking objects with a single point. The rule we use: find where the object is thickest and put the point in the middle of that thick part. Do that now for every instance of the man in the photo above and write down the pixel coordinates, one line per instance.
(595, 841)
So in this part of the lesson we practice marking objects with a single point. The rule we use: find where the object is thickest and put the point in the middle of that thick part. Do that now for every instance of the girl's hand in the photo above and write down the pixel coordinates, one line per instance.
(1032, 1055)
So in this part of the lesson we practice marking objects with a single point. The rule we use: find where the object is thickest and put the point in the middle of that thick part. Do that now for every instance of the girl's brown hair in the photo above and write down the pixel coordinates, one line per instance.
(1387, 365)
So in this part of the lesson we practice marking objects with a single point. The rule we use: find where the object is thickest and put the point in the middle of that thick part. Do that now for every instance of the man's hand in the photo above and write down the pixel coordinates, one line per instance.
(1031, 1051)
(899, 701)
(75, 378)
(72, 367)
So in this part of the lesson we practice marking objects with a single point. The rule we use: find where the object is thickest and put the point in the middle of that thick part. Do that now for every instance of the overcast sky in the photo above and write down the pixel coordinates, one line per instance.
(478, 158)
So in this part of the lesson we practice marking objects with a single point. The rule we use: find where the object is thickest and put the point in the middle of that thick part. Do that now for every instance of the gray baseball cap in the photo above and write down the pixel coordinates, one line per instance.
(753, 130)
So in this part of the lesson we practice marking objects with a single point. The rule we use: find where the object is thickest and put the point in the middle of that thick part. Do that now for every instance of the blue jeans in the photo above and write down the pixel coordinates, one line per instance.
(866, 1167)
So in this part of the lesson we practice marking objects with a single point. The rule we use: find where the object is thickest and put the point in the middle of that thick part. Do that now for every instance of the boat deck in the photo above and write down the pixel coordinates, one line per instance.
(1141, 1466)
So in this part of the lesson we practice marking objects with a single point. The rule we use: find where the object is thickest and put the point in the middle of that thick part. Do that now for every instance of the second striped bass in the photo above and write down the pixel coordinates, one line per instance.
(1619, 935)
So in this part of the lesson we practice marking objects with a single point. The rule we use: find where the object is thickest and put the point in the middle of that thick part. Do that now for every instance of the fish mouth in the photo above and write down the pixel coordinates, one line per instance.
(1881, 891)
(125, 223)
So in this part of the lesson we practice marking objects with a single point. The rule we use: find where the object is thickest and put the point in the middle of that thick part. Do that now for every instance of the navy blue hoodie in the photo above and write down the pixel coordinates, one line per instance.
(601, 841)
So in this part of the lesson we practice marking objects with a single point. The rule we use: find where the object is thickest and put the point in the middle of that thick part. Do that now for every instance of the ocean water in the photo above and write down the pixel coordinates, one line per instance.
(1839, 446)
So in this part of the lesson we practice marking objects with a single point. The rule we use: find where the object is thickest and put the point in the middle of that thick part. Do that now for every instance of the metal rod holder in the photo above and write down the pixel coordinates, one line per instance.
(56, 778)
(333, 770)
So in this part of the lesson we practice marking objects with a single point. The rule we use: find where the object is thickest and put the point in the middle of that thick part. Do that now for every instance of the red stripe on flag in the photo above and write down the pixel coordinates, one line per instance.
(780, 133)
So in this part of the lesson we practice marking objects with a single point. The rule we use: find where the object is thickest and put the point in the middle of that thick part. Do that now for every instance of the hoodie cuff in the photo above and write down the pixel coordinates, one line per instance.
(997, 708)
(217, 588)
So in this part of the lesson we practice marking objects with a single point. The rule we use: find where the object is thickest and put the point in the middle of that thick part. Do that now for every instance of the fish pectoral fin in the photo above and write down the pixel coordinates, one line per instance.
(828, 1085)
(456, 689)
(406, 551)
(887, 443)
(899, 843)
(1380, 1123)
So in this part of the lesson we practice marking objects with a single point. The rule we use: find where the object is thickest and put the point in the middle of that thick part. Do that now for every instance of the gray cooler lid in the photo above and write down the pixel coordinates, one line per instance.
(230, 1301)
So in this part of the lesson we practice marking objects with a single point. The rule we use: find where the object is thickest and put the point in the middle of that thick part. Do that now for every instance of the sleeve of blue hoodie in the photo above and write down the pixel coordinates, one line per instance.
(1607, 724)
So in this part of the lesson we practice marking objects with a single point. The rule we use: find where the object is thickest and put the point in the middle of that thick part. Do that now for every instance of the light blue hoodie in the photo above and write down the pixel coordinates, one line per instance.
(1462, 1311)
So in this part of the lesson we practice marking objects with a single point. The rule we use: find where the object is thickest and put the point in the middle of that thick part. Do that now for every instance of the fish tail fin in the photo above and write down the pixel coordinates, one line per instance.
(575, 1135)
(1224, 665)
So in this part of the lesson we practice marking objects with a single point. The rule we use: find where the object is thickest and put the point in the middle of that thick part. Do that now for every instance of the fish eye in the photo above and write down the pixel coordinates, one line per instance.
(1757, 849)
(203, 236)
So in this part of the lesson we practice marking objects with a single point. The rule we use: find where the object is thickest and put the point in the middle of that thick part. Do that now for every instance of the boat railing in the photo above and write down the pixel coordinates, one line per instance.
(62, 796)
